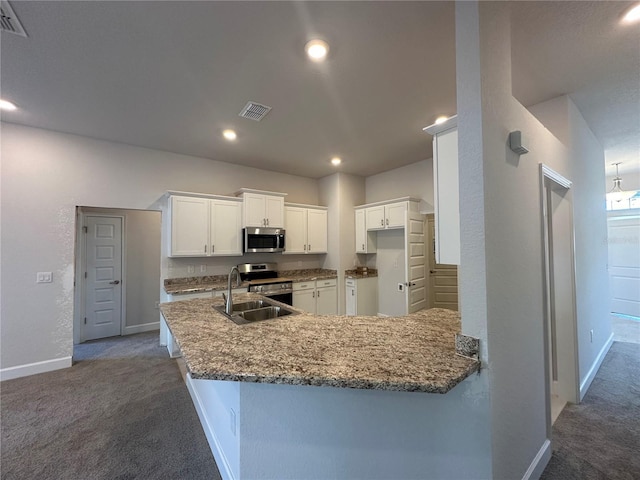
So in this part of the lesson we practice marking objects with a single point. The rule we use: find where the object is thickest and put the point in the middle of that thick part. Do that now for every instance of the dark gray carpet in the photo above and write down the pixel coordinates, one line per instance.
(121, 412)
(600, 438)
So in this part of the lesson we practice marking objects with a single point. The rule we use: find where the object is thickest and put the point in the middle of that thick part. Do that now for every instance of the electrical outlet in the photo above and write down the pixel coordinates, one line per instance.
(157, 305)
(203, 268)
(191, 269)
(44, 277)
(401, 287)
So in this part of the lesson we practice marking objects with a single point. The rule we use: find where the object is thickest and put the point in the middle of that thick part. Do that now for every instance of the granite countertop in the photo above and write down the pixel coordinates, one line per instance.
(308, 274)
(209, 283)
(359, 273)
(411, 353)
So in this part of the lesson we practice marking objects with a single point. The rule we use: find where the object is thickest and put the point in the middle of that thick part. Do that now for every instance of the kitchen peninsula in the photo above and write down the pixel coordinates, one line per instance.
(267, 398)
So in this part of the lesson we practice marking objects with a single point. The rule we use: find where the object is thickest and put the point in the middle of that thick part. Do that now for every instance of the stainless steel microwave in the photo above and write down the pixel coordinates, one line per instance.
(260, 239)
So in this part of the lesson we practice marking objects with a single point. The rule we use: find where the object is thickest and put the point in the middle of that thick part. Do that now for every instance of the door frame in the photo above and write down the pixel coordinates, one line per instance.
(80, 307)
(548, 174)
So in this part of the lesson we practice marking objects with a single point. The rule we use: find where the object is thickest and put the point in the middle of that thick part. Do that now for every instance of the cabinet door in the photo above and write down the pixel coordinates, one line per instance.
(361, 232)
(375, 218)
(316, 231)
(305, 300)
(447, 201)
(226, 228)
(296, 230)
(327, 300)
(254, 210)
(189, 226)
(351, 300)
(395, 215)
(274, 211)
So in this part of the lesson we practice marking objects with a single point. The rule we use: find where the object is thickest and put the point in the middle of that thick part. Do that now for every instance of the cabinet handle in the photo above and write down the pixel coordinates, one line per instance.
(309, 249)
(387, 222)
(205, 249)
(313, 295)
(318, 293)
(363, 246)
(305, 247)
(212, 248)
(382, 222)
(353, 292)
(267, 222)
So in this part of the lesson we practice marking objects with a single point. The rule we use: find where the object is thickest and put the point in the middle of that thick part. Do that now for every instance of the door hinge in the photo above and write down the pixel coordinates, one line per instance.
(85, 274)
(85, 229)
(85, 320)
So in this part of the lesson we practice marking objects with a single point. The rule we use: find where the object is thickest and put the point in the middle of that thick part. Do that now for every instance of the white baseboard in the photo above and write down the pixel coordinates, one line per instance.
(35, 368)
(539, 462)
(586, 383)
(214, 445)
(145, 327)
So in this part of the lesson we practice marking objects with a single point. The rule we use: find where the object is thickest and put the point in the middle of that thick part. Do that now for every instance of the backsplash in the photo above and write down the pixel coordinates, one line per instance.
(179, 267)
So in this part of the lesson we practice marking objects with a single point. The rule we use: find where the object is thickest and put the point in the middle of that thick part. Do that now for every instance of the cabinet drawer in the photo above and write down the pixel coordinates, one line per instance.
(303, 285)
(327, 283)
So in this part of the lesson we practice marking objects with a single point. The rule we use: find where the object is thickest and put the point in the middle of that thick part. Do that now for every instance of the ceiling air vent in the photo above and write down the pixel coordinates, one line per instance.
(255, 111)
(9, 21)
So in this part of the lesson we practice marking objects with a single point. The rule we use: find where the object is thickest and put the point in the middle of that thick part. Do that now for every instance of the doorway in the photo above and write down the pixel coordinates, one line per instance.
(117, 273)
(561, 354)
(443, 278)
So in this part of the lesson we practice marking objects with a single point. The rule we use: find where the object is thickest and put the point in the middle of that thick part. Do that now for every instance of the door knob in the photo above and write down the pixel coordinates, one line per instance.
(115, 282)
(432, 271)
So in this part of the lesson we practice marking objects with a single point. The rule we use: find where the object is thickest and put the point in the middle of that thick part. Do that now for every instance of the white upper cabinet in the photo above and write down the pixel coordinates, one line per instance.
(365, 241)
(262, 209)
(446, 191)
(381, 217)
(189, 226)
(226, 227)
(306, 229)
(202, 227)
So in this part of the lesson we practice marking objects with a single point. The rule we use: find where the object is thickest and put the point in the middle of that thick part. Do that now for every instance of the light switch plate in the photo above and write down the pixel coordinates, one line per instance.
(191, 269)
(203, 268)
(44, 277)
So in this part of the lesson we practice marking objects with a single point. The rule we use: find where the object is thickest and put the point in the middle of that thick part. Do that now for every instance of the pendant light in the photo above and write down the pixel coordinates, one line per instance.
(616, 194)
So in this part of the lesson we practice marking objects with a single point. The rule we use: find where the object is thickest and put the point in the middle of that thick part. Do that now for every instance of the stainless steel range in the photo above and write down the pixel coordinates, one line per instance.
(263, 279)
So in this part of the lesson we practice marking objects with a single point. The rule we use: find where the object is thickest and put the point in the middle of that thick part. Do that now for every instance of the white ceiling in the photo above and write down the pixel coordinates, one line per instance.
(173, 75)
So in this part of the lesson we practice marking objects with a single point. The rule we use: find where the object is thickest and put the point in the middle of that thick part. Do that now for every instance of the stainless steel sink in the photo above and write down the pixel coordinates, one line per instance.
(254, 311)
(241, 307)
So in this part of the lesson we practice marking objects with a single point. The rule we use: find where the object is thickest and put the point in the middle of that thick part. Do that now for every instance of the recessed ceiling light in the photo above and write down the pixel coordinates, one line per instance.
(441, 119)
(336, 160)
(633, 15)
(317, 50)
(6, 105)
(229, 134)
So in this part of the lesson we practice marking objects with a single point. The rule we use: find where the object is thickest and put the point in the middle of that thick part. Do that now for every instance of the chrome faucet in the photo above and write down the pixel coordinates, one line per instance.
(228, 308)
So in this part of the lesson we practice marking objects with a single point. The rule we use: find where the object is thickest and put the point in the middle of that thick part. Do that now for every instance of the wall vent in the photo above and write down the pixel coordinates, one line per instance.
(255, 111)
(9, 21)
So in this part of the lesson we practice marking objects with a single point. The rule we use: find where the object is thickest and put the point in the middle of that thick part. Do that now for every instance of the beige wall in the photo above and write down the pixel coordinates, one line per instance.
(414, 180)
(45, 175)
(501, 274)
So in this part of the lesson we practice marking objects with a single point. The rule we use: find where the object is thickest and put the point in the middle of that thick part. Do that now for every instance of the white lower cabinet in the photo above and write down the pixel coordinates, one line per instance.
(362, 296)
(319, 297)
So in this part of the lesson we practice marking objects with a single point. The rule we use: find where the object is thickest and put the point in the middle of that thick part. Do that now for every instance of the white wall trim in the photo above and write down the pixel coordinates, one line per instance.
(35, 368)
(550, 173)
(539, 462)
(145, 327)
(221, 460)
(586, 383)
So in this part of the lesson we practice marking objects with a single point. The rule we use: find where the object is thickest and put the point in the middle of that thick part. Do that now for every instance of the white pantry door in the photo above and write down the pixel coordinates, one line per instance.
(624, 263)
(416, 262)
(103, 277)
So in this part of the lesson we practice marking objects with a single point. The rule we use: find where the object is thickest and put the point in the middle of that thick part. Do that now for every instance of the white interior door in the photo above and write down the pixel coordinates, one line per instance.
(624, 264)
(416, 297)
(103, 277)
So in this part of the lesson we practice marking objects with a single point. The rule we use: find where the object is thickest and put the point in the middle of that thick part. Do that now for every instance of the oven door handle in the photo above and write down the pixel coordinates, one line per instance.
(275, 294)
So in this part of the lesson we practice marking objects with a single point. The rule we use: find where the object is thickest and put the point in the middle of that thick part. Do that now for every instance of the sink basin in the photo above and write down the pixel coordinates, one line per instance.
(254, 311)
(241, 307)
